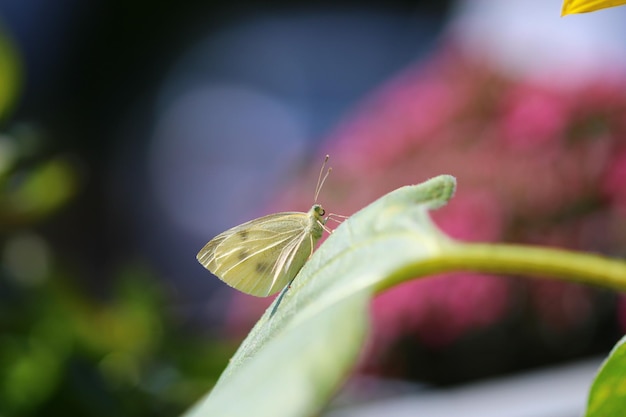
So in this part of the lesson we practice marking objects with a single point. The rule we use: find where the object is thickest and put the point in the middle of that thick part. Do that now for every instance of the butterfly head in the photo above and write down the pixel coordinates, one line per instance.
(317, 221)
(319, 212)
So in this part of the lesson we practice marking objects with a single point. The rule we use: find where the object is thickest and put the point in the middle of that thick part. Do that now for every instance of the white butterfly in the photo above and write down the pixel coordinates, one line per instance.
(262, 256)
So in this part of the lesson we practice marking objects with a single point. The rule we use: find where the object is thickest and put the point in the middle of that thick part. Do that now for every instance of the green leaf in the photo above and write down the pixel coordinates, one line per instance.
(10, 74)
(38, 192)
(291, 363)
(607, 397)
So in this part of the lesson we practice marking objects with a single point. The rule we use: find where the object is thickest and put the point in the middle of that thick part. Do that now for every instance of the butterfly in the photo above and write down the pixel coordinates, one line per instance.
(264, 255)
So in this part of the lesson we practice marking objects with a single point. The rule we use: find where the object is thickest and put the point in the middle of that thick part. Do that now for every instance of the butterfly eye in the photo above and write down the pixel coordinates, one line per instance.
(322, 211)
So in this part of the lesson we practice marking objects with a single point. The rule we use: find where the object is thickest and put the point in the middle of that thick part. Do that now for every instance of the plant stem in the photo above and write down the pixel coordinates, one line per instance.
(520, 260)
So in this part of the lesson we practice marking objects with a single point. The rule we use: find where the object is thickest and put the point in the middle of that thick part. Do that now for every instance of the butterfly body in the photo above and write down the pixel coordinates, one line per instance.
(262, 256)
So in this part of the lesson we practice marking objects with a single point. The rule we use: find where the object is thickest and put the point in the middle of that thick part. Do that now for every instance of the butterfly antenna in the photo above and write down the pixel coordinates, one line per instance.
(320, 180)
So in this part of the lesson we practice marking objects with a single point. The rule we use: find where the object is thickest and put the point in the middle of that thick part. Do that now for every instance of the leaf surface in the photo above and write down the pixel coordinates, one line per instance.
(292, 362)
(607, 397)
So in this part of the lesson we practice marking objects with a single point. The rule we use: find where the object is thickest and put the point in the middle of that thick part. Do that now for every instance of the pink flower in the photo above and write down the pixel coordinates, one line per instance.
(532, 117)
(534, 163)
(439, 309)
(614, 184)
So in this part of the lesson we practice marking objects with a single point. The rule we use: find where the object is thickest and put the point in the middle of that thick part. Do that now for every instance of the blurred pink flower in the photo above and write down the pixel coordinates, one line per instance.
(560, 306)
(615, 180)
(474, 216)
(535, 163)
(439, 309)
(532, 117)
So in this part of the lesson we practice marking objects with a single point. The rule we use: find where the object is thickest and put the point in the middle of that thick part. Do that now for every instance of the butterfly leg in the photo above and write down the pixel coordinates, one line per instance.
(280, 298)
(334, 217)
(326, 229)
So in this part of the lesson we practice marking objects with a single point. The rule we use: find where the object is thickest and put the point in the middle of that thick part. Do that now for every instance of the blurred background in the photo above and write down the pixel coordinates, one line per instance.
(132, 133)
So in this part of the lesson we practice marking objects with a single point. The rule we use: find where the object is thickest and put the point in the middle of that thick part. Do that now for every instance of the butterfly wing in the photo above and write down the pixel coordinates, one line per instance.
(261, 256)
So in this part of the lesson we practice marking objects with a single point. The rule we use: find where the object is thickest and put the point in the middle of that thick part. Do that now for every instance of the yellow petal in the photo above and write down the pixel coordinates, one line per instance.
(584, 6)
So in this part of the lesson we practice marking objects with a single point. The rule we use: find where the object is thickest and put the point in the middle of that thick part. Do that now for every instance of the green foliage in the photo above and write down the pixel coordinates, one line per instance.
(32, 189)
(31, 194)
(10, 75)
(63, 350)
(607, 397)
